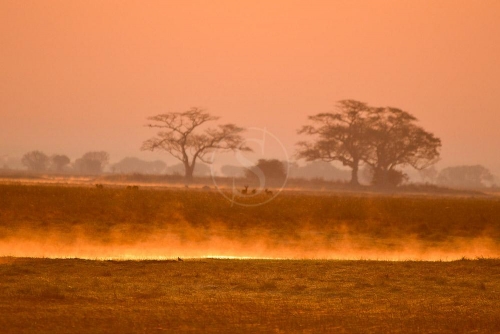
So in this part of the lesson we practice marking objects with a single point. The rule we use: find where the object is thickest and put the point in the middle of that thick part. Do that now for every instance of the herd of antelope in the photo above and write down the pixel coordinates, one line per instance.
(254, 191)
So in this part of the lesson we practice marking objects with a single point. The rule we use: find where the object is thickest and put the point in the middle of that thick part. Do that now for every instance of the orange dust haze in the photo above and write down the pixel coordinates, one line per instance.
(185, 241)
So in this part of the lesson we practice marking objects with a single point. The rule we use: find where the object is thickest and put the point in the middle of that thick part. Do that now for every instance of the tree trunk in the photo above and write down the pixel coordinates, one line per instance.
(354, 173)
(188, 172)
(384, 177)
(380, 177)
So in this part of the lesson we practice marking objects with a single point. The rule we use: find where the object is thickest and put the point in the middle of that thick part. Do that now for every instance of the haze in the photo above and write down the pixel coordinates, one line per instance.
(84, 75)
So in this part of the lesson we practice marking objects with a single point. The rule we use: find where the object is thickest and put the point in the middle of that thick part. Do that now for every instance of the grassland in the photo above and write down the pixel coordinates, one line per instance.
(146, 223)
(248, 296)
(43, 295)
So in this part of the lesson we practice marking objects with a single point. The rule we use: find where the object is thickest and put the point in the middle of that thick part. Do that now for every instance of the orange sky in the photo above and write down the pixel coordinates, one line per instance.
(83, 75)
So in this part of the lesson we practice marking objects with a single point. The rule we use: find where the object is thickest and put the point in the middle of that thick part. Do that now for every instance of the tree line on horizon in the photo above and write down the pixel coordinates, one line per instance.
(92, 162)
(384, 139)
(379, 141)
(468, 176)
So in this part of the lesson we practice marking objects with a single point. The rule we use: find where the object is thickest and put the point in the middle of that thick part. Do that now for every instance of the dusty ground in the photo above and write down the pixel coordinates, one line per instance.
(258, 296)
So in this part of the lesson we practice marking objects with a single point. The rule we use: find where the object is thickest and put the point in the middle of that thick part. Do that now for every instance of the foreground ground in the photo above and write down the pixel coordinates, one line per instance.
(258, 296)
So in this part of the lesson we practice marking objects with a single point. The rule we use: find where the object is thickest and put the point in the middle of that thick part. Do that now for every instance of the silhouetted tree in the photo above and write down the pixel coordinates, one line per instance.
(178, 137)
(92, 162)
(36, 161)
(396, 141)
(340, 136)
(267, 171)
(383, 138)
(476, 176)
(59, 162)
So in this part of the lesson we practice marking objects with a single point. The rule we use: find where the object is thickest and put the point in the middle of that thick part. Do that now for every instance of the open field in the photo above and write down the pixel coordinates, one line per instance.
(257, 296)
(58, 221)
(200, 294)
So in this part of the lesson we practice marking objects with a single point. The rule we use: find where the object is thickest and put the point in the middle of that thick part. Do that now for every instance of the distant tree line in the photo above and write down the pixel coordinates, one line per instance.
(90, 163)
(465, 176)
(273, 170)
(380, 142)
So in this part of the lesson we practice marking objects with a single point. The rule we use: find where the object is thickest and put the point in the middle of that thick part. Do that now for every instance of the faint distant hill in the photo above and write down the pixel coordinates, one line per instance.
(131, 165)
(319, 170)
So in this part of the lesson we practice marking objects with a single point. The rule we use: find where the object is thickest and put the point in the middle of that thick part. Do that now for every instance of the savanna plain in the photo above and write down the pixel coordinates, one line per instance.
(81, 259)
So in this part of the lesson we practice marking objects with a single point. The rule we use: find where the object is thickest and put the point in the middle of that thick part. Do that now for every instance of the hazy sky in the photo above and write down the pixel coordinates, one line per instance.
(84, 75)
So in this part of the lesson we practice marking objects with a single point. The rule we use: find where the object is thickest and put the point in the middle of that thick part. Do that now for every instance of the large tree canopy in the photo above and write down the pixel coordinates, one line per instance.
(59, 161)
(92, 162)
(180, 136)
(383, 138)
(396, 141)
(268, 172)
(36, 161)
(340, 136)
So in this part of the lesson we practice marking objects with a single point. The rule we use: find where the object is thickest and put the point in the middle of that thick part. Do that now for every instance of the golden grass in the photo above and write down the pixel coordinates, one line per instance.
(146, 223)
(238, 296)
(248, 296)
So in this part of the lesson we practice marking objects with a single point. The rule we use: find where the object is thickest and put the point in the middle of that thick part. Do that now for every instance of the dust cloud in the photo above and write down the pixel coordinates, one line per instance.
(127, 242)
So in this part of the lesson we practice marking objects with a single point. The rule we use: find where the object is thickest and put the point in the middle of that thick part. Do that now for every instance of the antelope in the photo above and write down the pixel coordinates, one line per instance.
(244, 191)
(268, 192)
(254, 191)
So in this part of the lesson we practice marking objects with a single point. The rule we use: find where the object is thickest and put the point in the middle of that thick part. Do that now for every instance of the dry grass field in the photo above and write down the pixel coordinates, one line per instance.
(310, 291)
(248, 296)
(115, 222)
